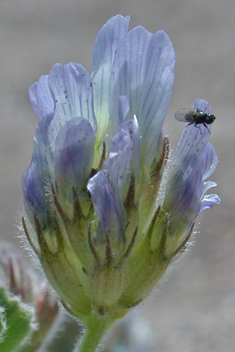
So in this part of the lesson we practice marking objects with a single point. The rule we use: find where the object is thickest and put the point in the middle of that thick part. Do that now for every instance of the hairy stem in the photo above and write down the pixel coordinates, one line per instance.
(93, 335)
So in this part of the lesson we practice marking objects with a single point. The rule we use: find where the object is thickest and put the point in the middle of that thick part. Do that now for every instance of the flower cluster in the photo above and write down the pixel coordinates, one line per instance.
(103, 235)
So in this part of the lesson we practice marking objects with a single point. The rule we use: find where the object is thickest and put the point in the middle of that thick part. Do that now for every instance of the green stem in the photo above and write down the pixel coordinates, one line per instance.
(93, 335)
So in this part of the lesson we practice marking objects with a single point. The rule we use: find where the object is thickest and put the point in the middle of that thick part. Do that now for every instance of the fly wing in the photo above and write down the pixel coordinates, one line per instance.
(183, 115)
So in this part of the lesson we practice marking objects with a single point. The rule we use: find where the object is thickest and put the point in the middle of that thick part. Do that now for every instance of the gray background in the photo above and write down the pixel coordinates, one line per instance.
(195, 309)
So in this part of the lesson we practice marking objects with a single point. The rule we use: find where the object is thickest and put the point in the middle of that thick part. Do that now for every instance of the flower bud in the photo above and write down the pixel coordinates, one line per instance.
(29, 309)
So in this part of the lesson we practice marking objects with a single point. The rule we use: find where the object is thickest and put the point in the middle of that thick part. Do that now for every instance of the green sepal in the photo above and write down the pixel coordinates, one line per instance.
(15, 322)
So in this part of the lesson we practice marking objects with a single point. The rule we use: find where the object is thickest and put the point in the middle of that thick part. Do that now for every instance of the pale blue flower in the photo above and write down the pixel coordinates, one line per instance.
(103, 234)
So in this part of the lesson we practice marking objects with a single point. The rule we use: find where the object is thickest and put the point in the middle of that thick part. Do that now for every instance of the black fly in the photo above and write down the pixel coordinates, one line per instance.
(195, 117)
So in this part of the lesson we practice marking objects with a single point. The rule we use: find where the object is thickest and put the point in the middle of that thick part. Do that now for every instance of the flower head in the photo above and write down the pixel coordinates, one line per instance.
(101, 232)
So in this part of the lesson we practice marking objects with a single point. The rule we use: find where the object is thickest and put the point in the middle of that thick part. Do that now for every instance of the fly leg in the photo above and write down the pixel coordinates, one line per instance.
(206, 127)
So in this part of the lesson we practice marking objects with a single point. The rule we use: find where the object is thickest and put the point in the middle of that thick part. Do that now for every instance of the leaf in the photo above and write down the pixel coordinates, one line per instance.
(15, 323)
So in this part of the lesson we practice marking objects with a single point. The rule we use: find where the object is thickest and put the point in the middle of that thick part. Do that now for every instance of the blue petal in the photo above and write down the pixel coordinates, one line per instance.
(104, 51)
(210, 161)
(109, 211)
(71, 88)
(124, 157)
(143, 70)
(182, 199)
(74, 154)
(34, 192)
(209, 201)
(41, 98)
(190, 148)
(209, 164)
(38, 178)
(207, 185)
(124, 109)
(203, 106)
(185, 191)
(107, 40)
(193, 143)
(185, 180)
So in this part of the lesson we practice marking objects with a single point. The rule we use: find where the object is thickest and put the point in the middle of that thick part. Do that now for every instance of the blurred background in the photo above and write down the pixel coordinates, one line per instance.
(194, 310)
